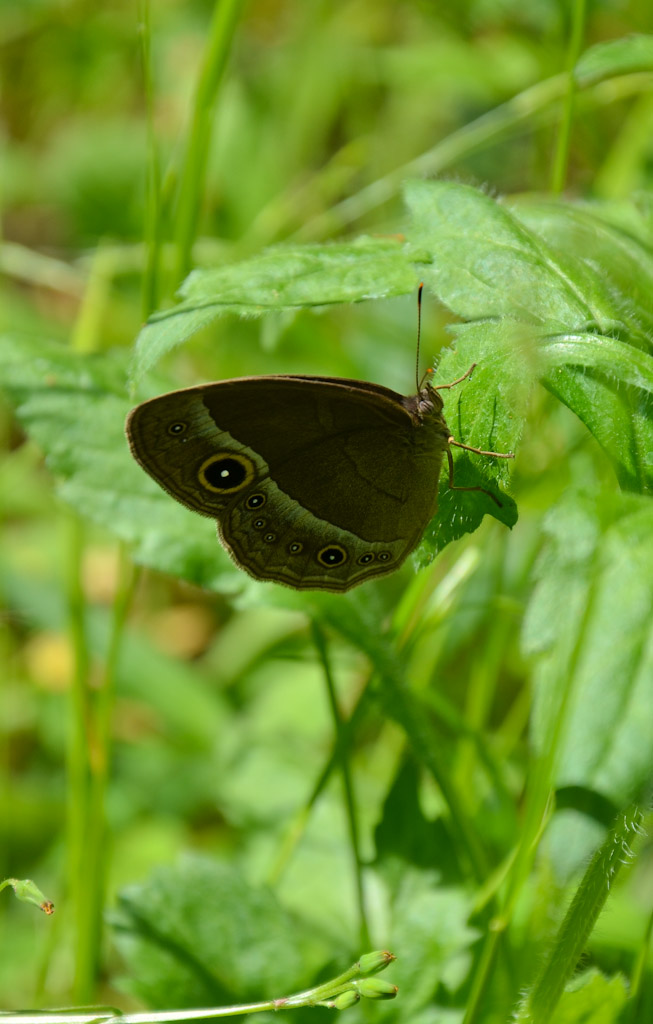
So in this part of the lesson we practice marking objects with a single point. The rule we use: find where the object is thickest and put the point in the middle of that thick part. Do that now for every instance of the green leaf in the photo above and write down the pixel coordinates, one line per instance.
(74, 408)
(611, 265)
(484, 262)
(430, 931)
(592, 999)
(284, 278)
(595, 584)
(615, 57)
(609, 385)
(560, 269)
(404, 836)
(198, 934)
(486, 411)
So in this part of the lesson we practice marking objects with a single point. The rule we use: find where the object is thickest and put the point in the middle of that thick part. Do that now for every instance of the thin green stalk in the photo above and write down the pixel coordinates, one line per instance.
(454, 721)
(89, 322)
(358, 981)
(501, 122)
(6, 658)
(638, 983)
(408, 711)
(490, 127)
(90, 710)
(343, 739)
(561, 156)
(402, 705)
(79, 881)
(404, 623)
(100, 730)
(540, 1003)
(539, 804)
(484, 678)
(153, 212)
(343, 754)
(225, 18)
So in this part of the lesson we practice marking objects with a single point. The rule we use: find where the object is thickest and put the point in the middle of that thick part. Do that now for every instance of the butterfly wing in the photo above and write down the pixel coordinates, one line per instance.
(318, 483)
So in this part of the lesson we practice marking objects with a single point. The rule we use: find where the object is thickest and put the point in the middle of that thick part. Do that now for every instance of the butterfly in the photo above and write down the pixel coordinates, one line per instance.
(319, 483)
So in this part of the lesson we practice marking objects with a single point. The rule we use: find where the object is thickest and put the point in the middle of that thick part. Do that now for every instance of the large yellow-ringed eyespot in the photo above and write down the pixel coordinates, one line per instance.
(256, 500)
(331, 556)
(226, 472)
(366, 558)
(177, 428)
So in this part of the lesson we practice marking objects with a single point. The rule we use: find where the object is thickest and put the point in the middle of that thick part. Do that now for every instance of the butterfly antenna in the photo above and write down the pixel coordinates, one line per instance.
(419, 330)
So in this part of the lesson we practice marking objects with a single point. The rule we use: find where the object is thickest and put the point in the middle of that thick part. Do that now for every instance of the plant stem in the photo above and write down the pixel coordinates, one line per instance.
(343, 739)
(153, 213)
(539, 806)
(97, 839)
(593, 891)
(343, 753)
(468, 139)
(318, 995)
(225, 18)
(561, 156)
(79, 880)
(402, 705)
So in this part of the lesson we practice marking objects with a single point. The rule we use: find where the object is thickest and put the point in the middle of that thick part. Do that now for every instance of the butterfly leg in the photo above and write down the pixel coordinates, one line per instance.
(443, 387)
(480, 451)
(455, 487)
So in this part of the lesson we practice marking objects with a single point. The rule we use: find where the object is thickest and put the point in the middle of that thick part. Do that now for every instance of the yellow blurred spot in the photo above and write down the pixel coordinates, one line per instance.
(100, 573)
(49, 660)
(184, 630)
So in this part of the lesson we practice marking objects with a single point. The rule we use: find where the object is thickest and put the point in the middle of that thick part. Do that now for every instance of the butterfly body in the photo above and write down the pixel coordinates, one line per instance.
(315, 482)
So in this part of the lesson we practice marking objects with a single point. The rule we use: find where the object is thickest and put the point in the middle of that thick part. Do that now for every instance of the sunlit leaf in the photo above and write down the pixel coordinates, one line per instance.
(288, 277)
(590, 632)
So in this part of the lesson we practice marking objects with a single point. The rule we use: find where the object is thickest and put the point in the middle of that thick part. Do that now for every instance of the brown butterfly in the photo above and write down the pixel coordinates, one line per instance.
(319, 483)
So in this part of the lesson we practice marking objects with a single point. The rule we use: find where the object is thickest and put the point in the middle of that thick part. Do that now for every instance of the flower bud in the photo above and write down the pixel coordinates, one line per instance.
(346, 999)
(28, 892)
(376, 988)
(373, 963)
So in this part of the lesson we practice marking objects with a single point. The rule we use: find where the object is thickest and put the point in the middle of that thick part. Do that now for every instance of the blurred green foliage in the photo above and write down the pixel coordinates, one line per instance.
(495, 706)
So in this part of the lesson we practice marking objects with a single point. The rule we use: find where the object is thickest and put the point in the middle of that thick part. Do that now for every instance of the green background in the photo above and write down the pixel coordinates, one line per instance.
(230, 790)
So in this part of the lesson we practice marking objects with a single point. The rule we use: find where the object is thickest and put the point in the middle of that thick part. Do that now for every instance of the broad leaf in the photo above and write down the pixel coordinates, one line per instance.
(612, 266)
(485, 411)
(590, 632)
(484, 263)
(74, 407)
(197, 934)
(609, 385)
(592, 999)
(287, 277)
(615, 57)
(581, 284)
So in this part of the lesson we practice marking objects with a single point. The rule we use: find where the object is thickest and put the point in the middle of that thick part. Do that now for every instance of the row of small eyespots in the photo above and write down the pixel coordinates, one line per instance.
(329, 556)
(227, 472)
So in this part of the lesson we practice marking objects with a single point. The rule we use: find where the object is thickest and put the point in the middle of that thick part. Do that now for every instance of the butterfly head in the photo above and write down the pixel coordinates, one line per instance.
(428, 402)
